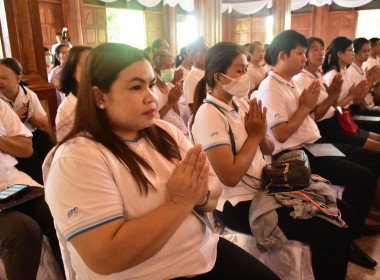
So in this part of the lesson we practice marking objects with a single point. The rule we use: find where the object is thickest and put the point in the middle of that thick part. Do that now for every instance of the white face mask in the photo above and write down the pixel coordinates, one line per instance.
(238, 87)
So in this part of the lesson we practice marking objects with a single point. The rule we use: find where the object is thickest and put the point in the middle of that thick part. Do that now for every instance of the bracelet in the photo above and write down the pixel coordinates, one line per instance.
(207, 199)
(1, 135)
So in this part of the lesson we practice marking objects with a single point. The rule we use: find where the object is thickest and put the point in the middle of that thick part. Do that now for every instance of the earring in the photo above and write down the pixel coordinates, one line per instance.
(101, 106)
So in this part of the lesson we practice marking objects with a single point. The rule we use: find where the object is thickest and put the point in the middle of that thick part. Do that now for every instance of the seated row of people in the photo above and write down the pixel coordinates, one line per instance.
(116, 169)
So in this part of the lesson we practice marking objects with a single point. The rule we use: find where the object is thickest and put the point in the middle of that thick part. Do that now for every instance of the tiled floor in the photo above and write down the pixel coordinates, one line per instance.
(371, 245)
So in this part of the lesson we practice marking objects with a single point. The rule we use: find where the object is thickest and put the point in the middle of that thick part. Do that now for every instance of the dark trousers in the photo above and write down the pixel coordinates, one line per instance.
(367, 125)
(21, 230)
(42, 144)
(233, 262)
(355, 173)
(329, 244)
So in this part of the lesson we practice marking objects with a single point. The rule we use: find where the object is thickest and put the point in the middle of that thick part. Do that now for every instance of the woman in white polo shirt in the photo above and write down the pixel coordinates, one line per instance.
(339, 56)
(122, 186)
(22, 226)
(29, 109)
(220, 112)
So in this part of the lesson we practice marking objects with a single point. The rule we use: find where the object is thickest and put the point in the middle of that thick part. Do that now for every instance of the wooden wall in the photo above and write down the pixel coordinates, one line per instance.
(320, 22)
(51, 17)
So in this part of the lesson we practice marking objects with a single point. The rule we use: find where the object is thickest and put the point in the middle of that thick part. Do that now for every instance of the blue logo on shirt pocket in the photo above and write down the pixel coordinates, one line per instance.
(72, 212)
(214, 134)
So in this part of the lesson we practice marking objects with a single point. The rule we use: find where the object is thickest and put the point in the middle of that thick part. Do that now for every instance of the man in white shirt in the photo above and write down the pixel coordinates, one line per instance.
(197, 50)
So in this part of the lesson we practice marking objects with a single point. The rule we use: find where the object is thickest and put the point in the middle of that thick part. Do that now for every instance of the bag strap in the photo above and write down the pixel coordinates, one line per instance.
(233, 146)
(232, 139)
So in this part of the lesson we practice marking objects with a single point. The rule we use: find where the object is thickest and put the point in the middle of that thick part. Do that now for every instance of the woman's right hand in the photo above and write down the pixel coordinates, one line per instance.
(309, 96)
(256, 119)
(188, 183)
(22, 111)
(175, 94)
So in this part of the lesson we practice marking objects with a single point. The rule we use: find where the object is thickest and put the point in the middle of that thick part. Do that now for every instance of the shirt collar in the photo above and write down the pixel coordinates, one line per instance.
(211, 99)
(197, 69)
(357, 68)
(280, 79)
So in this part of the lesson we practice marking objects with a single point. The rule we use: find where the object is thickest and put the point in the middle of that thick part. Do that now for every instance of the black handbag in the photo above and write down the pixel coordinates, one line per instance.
(290, 171)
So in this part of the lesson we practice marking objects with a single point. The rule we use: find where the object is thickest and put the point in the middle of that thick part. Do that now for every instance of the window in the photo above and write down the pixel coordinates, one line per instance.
(368, 24)
(126, 26)
(187, 30)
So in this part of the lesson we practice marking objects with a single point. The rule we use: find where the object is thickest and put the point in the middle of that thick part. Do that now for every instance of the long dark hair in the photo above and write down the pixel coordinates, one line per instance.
(56, 54)
(218, 59)
(339, 44)
(102, 69)
(67, 80)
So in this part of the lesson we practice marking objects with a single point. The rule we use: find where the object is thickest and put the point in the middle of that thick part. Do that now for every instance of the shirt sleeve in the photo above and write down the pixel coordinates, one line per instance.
(73, 175)
(277, 112)
(210, 128)
(189, 88)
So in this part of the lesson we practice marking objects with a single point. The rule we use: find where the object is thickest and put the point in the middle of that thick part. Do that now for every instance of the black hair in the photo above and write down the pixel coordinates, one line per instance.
(194, 46)
(46, 49)
(284, 42)
(310, 41)
(358, 44)
(339, 44)
(56, 54)
(157, 44)
(218, 59)
(373, 41)
(67, 80)
(12, 64)
(179, 58)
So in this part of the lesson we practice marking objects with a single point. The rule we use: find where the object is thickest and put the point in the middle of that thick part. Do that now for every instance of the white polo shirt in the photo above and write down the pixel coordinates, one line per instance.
(355, 75)
(371, 61)
(210, 129)
(53, 78)
(64, 120)
(191, 82)
(87, 186)
(282, 100)
(304, 79)
(256, 74)
(329, 76)
(171, 116)
(21, 98)
(10, 125)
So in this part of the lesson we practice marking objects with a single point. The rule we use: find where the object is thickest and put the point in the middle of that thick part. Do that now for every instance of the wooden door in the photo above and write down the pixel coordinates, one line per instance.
(95, 25)
(51, 17)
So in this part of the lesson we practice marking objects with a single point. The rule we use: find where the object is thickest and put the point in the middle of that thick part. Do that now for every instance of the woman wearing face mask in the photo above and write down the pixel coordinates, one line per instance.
(220, 112)
(48, 60)
(122, 186)
(169, 106)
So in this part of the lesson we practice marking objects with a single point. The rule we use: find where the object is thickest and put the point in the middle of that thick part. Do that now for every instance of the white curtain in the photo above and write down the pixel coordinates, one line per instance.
(351, 3)
(149, 3)
(252, 7)
(298, 4)
(247, 8)
(187, 5)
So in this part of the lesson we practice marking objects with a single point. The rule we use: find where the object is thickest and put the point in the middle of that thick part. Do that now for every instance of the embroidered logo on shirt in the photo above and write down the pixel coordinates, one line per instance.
(72, 211)
(214, 134)
(276, 115)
